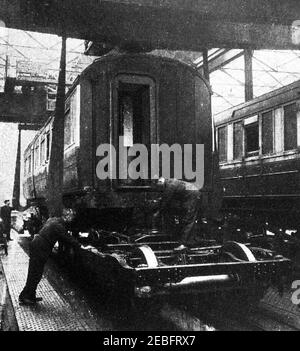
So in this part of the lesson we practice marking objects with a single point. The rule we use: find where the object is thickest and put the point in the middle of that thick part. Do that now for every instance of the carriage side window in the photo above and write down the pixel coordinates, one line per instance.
(36, 157)
(26, 166)
(72, 111)
(29, 164)
(290, 127)
(267, 133)
(48, 146)
(68, 128)
(251, 136)
(238, 136)
(42, 151)
(222, 144)
(278, 130)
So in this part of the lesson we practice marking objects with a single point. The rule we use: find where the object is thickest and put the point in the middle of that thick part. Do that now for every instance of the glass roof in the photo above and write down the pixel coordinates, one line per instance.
(272, 69)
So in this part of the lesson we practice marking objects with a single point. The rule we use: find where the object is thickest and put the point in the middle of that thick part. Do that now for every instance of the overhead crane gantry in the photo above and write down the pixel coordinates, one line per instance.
(166, 24)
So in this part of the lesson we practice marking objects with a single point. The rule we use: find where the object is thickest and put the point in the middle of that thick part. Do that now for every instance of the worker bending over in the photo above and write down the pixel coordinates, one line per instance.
(40, 249)
(179, 208)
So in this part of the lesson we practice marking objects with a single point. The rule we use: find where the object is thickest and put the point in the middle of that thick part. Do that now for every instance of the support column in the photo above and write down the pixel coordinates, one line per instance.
(16, 190)
(248, 55)
(213, 189)
(206, 74)
(56, 165)
(205, 64)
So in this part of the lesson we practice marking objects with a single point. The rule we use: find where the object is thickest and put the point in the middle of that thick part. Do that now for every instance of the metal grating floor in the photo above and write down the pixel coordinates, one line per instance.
(53, 313)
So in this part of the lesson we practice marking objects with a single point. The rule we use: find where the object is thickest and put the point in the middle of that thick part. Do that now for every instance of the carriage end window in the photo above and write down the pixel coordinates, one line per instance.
(135, 99)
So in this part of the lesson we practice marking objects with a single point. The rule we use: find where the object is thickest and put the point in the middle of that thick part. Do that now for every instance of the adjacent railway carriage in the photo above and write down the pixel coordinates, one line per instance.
(258, 145)
(145, 100)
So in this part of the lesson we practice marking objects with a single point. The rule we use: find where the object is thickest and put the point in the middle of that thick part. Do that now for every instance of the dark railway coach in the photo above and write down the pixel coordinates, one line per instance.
(258, 144)
(145, 100)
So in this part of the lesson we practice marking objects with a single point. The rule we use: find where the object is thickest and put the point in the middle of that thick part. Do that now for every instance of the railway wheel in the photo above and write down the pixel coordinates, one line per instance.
(239, 251)
(148, 255)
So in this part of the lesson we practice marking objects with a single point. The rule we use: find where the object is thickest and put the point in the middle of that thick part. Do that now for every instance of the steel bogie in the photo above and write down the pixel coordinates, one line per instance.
(153, 270)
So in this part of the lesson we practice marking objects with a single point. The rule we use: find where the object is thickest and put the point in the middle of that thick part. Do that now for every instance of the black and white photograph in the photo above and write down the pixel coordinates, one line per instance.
(149, 168)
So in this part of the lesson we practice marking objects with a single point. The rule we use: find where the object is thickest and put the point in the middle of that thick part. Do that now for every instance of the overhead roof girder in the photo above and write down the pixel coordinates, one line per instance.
(162, 24)
(221, 59)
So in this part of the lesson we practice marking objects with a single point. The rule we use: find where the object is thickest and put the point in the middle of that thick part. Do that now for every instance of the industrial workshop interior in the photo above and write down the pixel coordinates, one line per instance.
(149, 168)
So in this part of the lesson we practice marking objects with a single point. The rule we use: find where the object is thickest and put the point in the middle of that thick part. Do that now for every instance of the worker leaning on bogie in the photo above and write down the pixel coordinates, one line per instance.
(180, 208)
(55, 229)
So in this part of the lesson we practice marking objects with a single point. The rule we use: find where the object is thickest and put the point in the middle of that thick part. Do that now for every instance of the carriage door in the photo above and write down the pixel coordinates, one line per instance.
(136, 124)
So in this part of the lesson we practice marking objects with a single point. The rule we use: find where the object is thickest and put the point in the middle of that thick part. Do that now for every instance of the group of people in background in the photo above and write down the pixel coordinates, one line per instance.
(5, 225)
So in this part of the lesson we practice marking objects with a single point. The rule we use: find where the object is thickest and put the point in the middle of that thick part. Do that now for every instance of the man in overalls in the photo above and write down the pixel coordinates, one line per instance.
(179, 208)
(40, 250)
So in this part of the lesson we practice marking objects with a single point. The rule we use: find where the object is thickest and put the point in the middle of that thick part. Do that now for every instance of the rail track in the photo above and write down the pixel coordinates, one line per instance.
(217, 315)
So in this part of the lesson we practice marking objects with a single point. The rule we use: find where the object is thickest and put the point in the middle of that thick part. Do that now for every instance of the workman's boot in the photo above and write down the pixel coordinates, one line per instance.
(26, 301)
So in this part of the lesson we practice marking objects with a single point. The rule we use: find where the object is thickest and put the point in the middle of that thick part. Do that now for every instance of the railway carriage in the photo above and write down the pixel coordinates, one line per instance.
(258, 144)
(146, 100)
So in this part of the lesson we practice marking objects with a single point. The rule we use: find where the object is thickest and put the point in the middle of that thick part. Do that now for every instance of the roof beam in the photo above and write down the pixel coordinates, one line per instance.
(224, 57)
(251, 11)
(248, 56)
